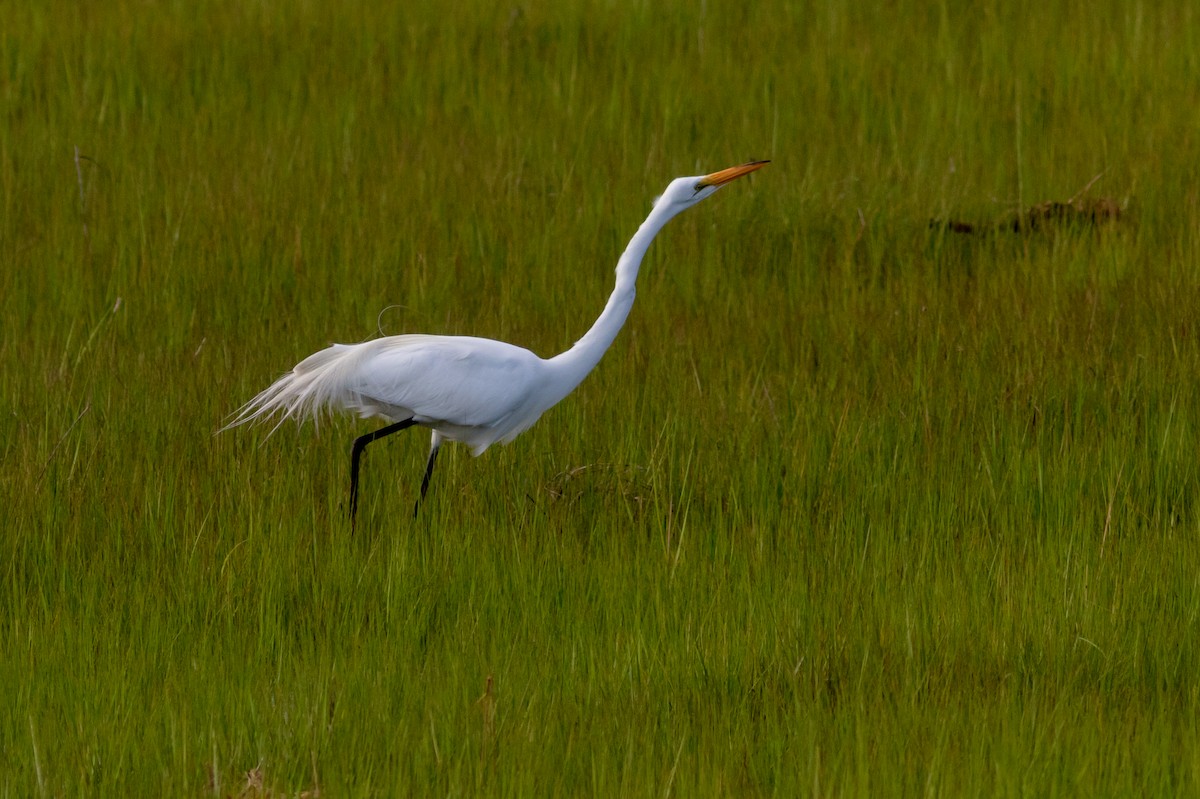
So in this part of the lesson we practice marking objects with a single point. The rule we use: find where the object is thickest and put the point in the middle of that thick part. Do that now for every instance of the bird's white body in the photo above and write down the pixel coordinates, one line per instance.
(473, 390)
(476, 391)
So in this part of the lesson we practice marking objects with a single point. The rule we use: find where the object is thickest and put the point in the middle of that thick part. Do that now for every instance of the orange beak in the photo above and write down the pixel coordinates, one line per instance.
(725, 175)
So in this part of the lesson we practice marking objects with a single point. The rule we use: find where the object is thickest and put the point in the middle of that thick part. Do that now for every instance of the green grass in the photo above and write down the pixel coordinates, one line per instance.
(854, 506)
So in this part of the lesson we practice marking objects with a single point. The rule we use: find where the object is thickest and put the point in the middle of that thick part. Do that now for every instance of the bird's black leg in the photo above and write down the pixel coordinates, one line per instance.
(360, 444)
(433, 451)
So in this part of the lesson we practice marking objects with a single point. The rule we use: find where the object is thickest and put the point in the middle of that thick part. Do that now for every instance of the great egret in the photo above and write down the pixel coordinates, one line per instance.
(474, 390)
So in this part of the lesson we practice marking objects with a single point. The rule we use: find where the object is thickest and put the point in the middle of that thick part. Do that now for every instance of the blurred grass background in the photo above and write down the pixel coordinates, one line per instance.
(856, 505)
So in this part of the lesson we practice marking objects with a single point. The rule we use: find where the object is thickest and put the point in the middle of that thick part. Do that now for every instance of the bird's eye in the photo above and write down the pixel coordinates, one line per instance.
(698, 187)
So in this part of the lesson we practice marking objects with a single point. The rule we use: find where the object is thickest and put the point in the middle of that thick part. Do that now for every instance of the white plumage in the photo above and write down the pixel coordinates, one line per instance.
(473, 390)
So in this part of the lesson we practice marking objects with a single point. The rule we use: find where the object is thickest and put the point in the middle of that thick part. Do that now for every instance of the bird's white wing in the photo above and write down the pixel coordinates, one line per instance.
(463, 381)
(474, 390)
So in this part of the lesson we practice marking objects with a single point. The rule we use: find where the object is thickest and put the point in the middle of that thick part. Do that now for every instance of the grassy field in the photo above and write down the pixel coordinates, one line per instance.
(857, 505)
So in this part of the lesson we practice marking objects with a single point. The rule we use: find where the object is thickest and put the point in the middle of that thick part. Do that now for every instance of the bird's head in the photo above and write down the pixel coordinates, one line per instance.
(683, 193)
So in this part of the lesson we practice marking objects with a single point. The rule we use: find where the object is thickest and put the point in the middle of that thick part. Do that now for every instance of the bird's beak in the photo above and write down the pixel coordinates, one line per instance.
(718, 179)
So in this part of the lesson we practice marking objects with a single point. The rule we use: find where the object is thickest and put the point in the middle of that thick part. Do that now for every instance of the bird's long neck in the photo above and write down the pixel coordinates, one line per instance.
(570, 367)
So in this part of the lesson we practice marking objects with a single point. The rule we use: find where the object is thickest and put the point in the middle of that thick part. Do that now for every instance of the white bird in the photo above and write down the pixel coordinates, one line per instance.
(474, 390)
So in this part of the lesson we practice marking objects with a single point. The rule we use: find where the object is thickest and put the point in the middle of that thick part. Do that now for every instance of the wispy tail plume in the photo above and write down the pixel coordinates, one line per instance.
(318, 383)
